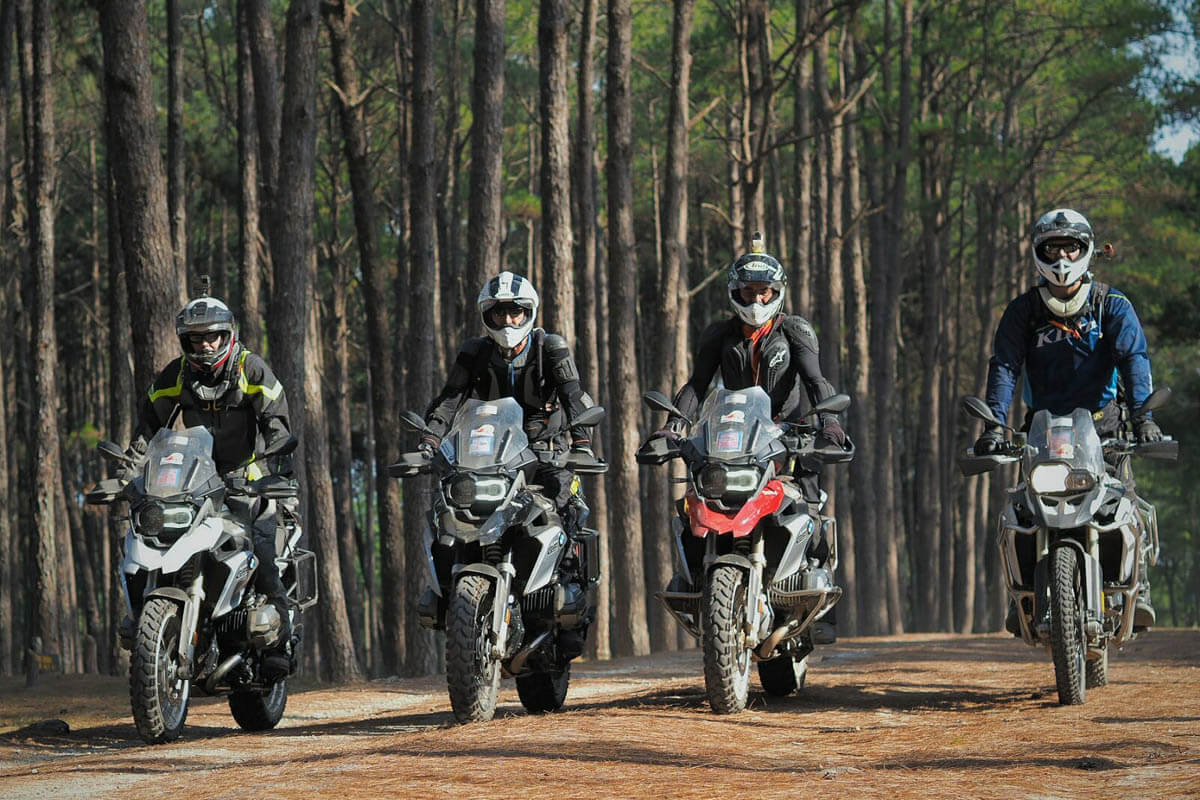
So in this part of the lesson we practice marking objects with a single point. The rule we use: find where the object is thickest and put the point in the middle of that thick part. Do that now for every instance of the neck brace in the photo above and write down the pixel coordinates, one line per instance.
(1069, 307)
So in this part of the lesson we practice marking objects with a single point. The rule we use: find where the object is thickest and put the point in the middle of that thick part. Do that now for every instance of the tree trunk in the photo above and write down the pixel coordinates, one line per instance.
(420, 658)
(630, 635)
(265, 66)
(558, 294)
(375, 278)
(137, 167)
(485, 230)
(588, 349)
(44, 457)
(293, 327)
(249, 236)
(872, 606)
(9, 644)
(176, 158)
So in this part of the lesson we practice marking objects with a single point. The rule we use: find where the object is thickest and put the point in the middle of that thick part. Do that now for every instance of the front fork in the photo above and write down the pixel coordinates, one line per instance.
(501, 616)
(187, 627)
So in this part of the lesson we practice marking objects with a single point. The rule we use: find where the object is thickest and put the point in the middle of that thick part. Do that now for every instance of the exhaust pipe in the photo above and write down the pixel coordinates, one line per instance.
(777, 636)
(518, 661)
(221, 671)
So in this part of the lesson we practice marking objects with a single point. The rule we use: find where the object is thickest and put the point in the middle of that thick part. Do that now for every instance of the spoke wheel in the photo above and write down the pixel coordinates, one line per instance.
(158, 688)
(726, 651)
(472, 675)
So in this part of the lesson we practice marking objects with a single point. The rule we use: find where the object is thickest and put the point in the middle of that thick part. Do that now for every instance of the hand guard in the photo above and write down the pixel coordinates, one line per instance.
(992, 441)
(831, 429)
(1147, 430)
(583, 448)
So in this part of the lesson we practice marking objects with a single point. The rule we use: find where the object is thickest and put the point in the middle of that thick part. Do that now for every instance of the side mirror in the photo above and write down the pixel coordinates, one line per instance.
(832, 405)
(112, 451)
(659, 402)
(413, 421)
(1157, 399)
(590, 416)
(974, 407)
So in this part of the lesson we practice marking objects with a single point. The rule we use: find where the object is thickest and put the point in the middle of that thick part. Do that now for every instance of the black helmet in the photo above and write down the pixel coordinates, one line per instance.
(207, 315)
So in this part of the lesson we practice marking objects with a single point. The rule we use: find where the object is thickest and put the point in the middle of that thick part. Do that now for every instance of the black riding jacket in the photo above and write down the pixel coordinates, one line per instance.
(543, 378)
(786, 361)
(253, 405)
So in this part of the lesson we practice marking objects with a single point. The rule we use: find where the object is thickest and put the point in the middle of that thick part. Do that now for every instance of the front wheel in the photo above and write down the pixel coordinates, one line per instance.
(726, 651)
(158, 688)
(472, 675)
(259, 711)
(1066, 629)
(544, 691)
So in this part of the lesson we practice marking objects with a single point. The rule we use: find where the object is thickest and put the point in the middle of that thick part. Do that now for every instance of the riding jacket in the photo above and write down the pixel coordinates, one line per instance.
(781, 357)
(252, 405)
(1070, 363)
(542, 378)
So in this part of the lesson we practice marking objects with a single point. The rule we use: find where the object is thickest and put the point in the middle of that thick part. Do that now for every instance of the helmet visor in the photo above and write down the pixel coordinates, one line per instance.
(1066, 248)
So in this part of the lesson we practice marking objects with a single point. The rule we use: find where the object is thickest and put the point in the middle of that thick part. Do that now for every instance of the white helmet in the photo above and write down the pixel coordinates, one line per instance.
(508, 288)
(1054, 227)
(756, 267)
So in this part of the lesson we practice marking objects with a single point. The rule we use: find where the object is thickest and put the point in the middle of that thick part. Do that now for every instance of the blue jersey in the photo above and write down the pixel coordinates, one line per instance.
(1073, 363)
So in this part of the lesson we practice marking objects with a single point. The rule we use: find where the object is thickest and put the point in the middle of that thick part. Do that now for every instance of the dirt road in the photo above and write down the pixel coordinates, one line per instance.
(894, 717)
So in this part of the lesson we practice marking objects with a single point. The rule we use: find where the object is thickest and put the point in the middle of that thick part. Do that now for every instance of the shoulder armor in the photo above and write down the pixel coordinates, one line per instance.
(799, 331)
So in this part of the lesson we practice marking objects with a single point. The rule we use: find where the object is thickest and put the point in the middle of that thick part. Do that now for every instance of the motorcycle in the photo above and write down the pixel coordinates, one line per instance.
(187, 575)
(512, 583)
(1073, 537)
(754, 563)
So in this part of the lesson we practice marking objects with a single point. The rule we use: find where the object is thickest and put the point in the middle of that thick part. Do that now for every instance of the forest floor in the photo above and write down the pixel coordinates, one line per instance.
(912, 716)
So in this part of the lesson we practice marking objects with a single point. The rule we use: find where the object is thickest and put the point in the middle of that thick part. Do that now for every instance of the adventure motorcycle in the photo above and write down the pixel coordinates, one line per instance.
(511, 581)
(755, 563)
(1074, 538)
(187, 574)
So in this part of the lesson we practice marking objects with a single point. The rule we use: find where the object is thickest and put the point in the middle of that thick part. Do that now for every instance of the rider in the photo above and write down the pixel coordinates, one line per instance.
(535, 368)
(1080, 344)
(220, 385)
(762, 346)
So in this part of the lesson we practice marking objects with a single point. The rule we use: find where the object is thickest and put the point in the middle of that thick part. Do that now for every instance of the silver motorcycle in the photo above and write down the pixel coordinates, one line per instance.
(187, 575)
(1074, 539)
(511, 580)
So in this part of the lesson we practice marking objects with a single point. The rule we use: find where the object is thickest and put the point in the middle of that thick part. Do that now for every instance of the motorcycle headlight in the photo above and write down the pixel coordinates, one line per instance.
(178, 517)
(1059, 479)
(468, 491)
(718, 481)
(150, 518)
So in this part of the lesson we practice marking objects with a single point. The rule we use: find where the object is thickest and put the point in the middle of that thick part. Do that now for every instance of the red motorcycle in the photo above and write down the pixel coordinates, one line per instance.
(755, 562)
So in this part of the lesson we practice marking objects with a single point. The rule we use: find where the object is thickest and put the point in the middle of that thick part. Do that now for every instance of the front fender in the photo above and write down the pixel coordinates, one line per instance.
(169, 592)
(739, 561)
(486, 570)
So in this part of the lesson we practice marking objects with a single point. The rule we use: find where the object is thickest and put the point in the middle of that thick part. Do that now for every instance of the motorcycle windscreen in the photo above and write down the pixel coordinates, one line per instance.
(178, 462)
(485, 434)
(735, 423)
(1071, 441)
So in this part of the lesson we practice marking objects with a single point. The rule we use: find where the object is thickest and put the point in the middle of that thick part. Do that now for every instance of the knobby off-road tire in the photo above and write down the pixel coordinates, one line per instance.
(1096, 671)
(778, 676)
(255, 711)
(158, 694)
(726, 656)
(1066, 630)
(544, 691)
(472, 675)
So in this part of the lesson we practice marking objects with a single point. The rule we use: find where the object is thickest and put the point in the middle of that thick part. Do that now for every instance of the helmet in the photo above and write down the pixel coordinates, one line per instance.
(206, 315)
(508, 287)
(756, 267)
(1057, 225)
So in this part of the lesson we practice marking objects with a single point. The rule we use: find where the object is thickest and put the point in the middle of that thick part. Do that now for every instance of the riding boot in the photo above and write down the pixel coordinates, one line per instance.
(1143, 612)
